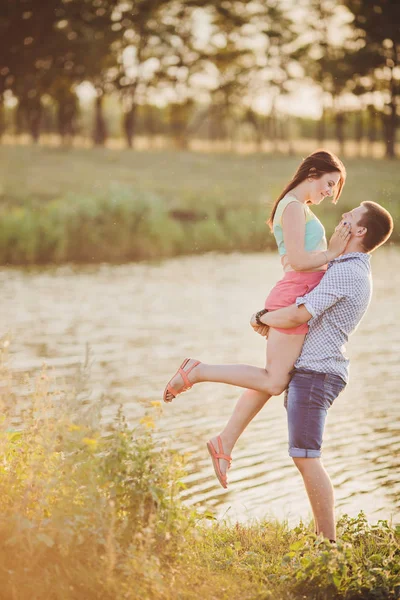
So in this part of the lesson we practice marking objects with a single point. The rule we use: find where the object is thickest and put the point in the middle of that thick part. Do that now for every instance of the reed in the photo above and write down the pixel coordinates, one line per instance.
(91, 206)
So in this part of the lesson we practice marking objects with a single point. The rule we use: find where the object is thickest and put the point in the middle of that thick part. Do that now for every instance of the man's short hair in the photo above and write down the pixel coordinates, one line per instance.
(379, 224)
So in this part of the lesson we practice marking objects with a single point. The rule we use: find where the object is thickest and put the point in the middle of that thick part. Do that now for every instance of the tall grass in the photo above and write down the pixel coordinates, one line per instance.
(93, 512)
(116, 206)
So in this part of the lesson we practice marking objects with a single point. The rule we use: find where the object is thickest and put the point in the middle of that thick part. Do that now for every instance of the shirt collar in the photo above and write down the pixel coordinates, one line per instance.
(363, 256)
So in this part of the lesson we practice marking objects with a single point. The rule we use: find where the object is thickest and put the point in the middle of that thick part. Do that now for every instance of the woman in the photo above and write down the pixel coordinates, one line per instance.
(302, 245)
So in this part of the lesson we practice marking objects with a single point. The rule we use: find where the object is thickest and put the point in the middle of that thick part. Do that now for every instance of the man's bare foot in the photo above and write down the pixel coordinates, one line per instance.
(177, 385)
(221, 464)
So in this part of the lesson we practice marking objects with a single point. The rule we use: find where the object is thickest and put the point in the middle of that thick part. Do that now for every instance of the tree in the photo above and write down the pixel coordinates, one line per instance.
(67, 106)
(319, 59)
(376, 27)
(276, 61)
(42, 43)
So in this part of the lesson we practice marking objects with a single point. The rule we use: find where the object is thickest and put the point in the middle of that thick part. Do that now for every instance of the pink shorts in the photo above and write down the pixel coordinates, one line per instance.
(293, 285)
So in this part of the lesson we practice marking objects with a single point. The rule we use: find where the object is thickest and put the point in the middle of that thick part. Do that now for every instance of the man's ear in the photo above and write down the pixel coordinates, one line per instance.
(360, 231)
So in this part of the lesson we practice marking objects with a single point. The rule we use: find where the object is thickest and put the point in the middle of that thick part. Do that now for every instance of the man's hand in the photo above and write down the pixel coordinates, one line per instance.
(262, 330)
(253, 321)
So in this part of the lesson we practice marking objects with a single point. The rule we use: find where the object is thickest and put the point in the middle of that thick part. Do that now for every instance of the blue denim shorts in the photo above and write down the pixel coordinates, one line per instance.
(307, 400)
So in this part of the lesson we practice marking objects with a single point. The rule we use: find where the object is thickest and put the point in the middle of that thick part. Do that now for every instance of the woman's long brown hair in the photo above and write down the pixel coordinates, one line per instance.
(315, 165)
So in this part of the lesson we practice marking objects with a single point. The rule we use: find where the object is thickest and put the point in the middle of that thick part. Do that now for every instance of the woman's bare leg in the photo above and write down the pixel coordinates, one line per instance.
(282, 352)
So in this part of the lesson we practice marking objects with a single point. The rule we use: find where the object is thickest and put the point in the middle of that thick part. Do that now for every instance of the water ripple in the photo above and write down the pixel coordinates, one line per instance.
(141, 320)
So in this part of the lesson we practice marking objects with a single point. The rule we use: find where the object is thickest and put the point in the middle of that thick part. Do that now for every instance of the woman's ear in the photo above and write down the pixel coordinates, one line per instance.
(311, 174)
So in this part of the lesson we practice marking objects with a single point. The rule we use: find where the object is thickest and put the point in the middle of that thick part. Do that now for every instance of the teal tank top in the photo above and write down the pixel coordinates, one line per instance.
(314, 239)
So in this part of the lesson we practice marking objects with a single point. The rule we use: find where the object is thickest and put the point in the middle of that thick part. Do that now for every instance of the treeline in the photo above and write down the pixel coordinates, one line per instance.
(199, 68)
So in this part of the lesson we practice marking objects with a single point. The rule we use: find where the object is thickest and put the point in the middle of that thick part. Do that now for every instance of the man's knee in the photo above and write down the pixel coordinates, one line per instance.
(304, 463)
(299, 462)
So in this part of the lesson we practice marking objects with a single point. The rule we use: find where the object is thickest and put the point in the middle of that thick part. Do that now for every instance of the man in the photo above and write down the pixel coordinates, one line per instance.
(334, 309)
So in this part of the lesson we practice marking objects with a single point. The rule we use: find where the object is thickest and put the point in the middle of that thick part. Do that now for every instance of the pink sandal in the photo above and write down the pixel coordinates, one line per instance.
(215, 457)
(184, 375)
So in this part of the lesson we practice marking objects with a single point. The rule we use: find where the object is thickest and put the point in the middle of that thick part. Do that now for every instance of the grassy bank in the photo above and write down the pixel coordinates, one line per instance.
(94, 513)
(108, 205)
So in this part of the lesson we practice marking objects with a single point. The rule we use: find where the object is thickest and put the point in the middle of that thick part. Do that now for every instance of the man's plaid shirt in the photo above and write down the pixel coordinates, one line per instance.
(337, 306)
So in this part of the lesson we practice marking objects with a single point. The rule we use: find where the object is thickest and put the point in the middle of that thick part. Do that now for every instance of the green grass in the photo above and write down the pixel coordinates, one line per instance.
(90, 512)
(117, 205)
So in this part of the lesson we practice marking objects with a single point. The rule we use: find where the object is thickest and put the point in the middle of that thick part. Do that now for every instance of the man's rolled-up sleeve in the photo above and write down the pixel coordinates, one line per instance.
(332, 288)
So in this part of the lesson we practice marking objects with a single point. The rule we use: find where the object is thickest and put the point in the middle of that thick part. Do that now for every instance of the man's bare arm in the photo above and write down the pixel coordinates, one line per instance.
(286, 318)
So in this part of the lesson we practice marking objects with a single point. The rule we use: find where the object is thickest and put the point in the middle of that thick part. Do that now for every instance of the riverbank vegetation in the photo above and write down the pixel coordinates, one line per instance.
(90, 511)
(116, 206)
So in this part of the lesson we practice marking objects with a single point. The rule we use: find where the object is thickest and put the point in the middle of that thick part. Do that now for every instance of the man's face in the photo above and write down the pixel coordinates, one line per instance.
(352, 217)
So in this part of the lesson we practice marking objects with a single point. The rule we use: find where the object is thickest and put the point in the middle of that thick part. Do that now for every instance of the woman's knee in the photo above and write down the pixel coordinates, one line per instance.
(277, 385)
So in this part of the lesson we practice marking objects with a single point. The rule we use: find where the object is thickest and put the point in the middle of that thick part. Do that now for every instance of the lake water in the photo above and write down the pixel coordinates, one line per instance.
(141, 320)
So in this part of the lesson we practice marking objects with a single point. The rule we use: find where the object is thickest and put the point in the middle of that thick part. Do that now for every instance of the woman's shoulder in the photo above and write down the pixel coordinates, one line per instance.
(286, 200)
(290, 197)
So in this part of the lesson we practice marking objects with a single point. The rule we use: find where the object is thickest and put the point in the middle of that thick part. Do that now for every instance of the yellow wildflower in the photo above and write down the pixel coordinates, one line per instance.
(147, 422)
(91, 442)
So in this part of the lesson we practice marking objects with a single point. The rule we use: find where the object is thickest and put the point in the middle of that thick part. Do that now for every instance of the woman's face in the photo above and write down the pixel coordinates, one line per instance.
(322, 187)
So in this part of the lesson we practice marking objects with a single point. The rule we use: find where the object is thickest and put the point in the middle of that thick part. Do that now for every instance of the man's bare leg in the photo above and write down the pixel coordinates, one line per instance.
(320, 493)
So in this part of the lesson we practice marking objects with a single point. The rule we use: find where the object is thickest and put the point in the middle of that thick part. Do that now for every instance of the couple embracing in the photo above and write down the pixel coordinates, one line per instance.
(307, 318)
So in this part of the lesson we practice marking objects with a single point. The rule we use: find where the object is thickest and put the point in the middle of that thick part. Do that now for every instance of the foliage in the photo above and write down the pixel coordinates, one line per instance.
(90, 511)
(83, 510)
(376, 33)
(231, 58)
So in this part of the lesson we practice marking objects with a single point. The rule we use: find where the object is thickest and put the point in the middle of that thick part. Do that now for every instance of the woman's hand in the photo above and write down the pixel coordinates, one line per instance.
(339, 240)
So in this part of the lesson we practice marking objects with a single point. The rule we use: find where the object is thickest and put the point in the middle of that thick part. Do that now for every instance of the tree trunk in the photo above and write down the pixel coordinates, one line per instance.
(255, 122)
(66, 113)
(390, 130)
(391, 121)
(129, 125)
(49, 124)
(129, 115)
(2, 119)
(340, 120)
(321, 126)
(150, 124)
(19, 116)
(34, 111)
(289, 136)
(232, 134)
(273, 129)
(372, 130)
(359, 131)
(259, 136)
(178, 118)
(61, 124)
(100, 129)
